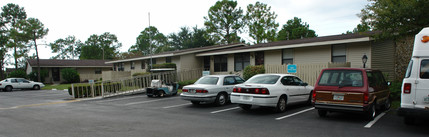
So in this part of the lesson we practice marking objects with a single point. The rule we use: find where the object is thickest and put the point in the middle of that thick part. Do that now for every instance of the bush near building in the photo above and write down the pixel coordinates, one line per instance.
(250, 71)
(70, 75)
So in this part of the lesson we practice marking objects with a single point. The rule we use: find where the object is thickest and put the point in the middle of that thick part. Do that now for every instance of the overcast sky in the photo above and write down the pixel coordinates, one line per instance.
(127, 18)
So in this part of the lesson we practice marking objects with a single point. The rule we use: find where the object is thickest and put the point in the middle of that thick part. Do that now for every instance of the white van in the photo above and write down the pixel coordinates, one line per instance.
(415, 87)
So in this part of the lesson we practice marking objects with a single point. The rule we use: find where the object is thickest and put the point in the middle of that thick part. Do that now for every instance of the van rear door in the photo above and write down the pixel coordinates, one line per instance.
(422, 86)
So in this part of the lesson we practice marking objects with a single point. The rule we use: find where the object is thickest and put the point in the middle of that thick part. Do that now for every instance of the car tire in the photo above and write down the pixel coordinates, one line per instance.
(149, 95)
(245, 106)
(387, 104)
(8, 88)
(281, 105)
(322, 113)
(408, 120)
(370, 114)
(309, 98)
(161, 93)
(221, 99)
(36, 87)
(195, 102)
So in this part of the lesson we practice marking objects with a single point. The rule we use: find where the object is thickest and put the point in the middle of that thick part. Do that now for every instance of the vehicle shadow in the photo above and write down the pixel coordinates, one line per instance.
(257, 110)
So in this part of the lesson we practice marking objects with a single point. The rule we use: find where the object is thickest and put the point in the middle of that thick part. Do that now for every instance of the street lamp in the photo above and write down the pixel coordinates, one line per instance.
(364, 60)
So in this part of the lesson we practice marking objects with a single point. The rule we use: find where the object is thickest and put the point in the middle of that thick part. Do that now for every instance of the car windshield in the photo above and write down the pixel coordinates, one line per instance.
(343, 78)
(263, 79)
(208, 80)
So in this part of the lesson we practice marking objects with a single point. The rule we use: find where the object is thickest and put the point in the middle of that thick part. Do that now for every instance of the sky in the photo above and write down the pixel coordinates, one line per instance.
(127, 18)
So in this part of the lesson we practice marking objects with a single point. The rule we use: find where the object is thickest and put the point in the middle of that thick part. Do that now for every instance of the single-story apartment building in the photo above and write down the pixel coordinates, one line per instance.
(87, 69)
(346, 49)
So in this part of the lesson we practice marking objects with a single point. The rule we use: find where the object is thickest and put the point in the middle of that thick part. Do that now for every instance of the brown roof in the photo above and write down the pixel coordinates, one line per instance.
(68, 63)
(300, 41)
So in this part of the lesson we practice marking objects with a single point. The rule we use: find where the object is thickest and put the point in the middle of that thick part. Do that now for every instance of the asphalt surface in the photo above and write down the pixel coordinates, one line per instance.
(47, 113)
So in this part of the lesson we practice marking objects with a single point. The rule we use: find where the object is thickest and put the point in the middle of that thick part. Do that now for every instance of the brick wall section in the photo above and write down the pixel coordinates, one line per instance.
(404, 49)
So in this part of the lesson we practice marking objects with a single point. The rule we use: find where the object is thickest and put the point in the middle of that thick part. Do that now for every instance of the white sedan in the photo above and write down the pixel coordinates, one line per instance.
(19, 83)
(211, 89)
(271, 90)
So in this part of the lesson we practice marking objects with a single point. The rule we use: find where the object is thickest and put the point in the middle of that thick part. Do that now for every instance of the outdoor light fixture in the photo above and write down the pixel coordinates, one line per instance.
(364, 59)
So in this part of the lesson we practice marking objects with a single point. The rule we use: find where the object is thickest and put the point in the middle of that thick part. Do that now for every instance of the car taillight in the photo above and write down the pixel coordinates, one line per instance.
(237, 90)
(407, 88)
(314, 96)
(252, 90)
(366, 97)
(265, 91)
(185, 90)
(201, 91)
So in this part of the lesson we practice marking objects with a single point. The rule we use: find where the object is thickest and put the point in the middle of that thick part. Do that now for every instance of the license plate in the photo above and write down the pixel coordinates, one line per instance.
(338, 97)
(246, 98)
(426, 100)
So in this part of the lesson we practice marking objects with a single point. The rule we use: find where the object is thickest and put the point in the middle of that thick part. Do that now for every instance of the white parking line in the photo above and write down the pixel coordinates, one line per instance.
(142, 102)
(296, 113)
(224, 110)
(375, 120)
(177, 105)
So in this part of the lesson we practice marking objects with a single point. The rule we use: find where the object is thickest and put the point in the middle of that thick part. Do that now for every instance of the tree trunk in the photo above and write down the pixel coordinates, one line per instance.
(14, 56)
(37, 56)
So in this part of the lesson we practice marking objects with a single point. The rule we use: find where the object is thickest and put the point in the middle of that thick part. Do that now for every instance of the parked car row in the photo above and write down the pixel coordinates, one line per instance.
(19, 83)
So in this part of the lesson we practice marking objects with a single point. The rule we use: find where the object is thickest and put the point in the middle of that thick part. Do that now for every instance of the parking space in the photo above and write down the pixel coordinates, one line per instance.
(139, 115)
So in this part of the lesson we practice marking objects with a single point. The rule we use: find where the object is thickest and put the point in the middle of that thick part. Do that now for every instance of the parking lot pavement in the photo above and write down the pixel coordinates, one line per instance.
(138, 115)
(28, 97)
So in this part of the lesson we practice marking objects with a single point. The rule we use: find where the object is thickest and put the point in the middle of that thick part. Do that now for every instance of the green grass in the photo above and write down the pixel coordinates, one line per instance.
(56, 86)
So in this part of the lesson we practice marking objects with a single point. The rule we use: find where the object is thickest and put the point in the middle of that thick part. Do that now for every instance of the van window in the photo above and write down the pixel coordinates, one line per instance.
(424, 69)
(344, 78)
(410, 66)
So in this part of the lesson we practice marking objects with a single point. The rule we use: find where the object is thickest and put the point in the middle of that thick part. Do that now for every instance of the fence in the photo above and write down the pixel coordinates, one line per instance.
(191, 74)
(112, 88)
(307, 72)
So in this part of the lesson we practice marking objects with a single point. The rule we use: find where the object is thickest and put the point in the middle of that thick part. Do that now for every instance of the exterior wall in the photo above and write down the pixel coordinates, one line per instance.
(160, 60)
(29, 69)
(190, 61)
(176, 60)
(273, 57)
(319, 54)
(115, 75)
(355, 51)
(89, 73)
(383, 54)
(230, 63)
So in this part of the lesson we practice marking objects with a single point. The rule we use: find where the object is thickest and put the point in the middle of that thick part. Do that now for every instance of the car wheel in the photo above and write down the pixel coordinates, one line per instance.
(387, 104)
(409, 120)
(161, 93)
(322, 113)
(281, 105)
(245, 107)
(309, 98)
(221, 99)
(371, 112)
(8, 88)
(149, 96)
(195, 102)
(36, 87)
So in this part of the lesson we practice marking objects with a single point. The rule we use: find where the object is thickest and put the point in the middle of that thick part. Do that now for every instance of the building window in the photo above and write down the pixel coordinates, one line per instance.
(220, 63)
(98, 71)
(121, 67)
(168, 60)
(206, 63)
(259, 58)
(287, 56)
(153, 61)
(143, 65)
(114, 67)
(132, 64)
(338, 53)
(241, 60)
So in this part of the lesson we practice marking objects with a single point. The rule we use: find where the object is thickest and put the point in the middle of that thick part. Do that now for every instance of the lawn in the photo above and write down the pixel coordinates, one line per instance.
(56, 86)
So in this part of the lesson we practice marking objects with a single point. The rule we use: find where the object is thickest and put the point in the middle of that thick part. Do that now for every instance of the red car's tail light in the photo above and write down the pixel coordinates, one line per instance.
(407, 88)
(314, 96)
(366, 97)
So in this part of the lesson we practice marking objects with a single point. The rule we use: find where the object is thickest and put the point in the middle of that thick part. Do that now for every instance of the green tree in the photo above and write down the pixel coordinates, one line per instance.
(10, 16)
(32, 30)
(363, 27)
(186, 38)
(261, 22)
(224, 22)
(295, 29)
(67, 48)
(150, 41)
(70, 75)
(3, 50)
(104, 46)
(396, 17)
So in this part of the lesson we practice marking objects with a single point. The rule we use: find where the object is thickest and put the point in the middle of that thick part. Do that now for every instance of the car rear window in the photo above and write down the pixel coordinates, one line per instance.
(208, 80)
(263, 79)
(343, 78)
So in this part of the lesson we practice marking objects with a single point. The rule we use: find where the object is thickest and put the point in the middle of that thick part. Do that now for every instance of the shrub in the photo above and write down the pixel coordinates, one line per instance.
(395, 90)
(140, 74)
(17, 74)
(165, 65)
(70, 75)
(43, 74)
(186, 82)
(250, 71)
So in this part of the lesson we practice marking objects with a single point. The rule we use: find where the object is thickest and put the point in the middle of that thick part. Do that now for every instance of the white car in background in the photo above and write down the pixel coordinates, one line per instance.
(271, 90)
(19, 83)
(211, 89)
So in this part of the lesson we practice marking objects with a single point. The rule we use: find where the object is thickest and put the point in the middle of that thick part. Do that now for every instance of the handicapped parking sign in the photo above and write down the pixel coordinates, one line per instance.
(291, 68)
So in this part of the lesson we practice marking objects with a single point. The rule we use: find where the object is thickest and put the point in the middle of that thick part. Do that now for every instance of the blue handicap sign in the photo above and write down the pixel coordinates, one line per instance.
(291, 68)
